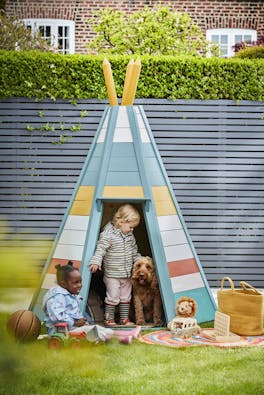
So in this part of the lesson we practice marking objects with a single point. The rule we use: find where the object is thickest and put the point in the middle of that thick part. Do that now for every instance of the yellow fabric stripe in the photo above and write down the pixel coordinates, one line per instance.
(83, 201)
(163, 201)
(123, 192)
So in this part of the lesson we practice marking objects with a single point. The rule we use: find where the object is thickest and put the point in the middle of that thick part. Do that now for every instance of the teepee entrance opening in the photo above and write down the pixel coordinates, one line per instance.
(97, 290)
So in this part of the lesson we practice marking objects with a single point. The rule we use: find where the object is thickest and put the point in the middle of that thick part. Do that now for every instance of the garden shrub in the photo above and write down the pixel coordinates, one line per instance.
(255, 52)
(51, 75)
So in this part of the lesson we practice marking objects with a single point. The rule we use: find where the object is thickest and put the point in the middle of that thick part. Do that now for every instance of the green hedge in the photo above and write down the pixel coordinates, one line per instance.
(49, 75)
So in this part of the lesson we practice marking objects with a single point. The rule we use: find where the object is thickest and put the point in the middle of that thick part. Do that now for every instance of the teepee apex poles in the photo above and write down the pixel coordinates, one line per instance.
(130, 84)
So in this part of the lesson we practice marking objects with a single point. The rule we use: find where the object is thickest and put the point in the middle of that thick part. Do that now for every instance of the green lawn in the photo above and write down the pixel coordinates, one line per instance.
(116, 369)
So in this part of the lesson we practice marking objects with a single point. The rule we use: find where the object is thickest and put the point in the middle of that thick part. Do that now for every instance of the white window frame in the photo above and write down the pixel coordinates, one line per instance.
(54, 25)
(231, 37)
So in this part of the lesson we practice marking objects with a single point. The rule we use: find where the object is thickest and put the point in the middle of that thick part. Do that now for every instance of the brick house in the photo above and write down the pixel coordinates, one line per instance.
(222, 21)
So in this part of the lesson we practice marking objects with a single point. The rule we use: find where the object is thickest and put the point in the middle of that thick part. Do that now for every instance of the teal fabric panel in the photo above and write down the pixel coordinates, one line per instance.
(205, 306)
(123, 162)
(98, 151)
(147, 150)
(154, 172)
(90, 178)
(123, 178)
(123, 150)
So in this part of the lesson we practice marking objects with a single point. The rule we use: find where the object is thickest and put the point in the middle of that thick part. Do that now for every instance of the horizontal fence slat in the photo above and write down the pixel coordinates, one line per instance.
(213, 152)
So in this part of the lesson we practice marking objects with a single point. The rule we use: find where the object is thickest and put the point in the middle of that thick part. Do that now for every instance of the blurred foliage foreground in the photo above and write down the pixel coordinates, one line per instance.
(20, 267)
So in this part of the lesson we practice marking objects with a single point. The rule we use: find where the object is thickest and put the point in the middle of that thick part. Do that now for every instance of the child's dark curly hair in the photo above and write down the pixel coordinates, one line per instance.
(63, 271)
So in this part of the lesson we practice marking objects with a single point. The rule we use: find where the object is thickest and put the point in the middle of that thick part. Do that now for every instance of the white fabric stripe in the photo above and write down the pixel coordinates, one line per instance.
(187, 282)
(68, 251)
(143, 132)
(70, 236)
(122, 129)
(77, 222)
(173, 237)
(169, 222)
(122, 135)
(122, 118)
(101, 137)
(49, 281)
(179, 252)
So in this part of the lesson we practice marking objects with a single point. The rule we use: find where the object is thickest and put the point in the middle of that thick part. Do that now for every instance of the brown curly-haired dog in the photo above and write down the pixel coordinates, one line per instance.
(147, 300)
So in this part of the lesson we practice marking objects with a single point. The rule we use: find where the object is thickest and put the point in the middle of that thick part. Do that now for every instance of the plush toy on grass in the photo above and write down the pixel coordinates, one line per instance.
(184, 324)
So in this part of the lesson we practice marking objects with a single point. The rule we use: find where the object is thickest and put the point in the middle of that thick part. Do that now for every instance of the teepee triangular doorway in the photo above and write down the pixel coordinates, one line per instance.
(124, 165)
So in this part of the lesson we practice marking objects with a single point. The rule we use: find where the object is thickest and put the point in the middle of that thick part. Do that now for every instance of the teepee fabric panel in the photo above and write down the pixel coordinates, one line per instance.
(133, 192)
(123, 163)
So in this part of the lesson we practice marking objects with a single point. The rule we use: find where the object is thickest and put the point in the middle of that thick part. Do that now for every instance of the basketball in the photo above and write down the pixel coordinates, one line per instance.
(24, 325)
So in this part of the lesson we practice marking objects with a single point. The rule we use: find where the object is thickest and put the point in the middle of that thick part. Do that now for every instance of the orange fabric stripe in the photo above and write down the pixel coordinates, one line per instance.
(57, 261)
(182, 267)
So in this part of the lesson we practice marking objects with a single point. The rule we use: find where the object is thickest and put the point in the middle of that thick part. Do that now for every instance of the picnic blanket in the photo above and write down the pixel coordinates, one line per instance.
(166, 338)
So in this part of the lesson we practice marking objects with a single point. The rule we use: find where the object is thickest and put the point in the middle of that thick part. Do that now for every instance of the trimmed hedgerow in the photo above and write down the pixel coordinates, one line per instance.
(43, 75)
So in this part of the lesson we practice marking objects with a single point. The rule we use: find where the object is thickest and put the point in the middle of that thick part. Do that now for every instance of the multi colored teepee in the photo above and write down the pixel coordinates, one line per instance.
(124, 165)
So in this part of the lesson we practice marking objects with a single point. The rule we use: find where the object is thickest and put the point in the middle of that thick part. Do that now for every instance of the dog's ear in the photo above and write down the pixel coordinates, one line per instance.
(154, 281)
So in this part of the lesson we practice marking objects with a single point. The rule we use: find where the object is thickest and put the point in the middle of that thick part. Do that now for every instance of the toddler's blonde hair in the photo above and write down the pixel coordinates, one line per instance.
(126, 213)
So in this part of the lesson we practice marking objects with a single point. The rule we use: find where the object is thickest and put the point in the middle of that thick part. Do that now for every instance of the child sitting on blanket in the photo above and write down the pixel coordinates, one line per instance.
(62, 303)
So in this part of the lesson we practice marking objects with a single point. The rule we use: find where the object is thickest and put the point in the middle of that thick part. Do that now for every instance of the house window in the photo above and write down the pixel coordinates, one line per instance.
(227, 38)
(59, 32)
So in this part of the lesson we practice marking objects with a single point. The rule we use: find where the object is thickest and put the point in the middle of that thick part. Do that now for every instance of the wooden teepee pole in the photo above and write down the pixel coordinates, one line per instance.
(127, 81)
(132, 84)
(109, 82)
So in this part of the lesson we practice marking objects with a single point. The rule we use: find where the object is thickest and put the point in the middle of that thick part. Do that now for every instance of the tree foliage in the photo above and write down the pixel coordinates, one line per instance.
(250, 50)
(14, 35)
(150, 31)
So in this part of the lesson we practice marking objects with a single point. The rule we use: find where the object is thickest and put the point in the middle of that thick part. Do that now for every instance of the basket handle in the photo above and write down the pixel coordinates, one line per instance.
(230, 282)
(248, 287)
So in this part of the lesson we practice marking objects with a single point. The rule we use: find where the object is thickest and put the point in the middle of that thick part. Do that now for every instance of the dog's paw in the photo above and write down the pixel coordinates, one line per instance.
(158, 323)
(140, 322)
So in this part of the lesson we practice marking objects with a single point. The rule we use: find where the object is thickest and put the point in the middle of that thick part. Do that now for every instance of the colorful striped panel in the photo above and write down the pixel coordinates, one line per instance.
(72, 240)
(178, 252)
(49, 281)
(187, 282)
(83, 201)
(123, 192)
(180, 268)
(77, 222)
(169, 222)
(68, 251)
(70, 236)
(173, 237)
(163, 201)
